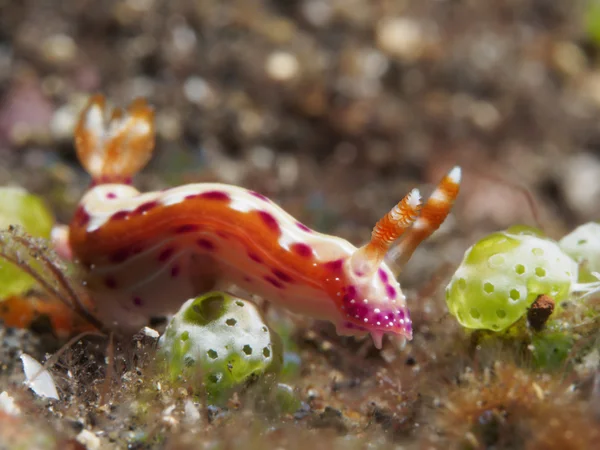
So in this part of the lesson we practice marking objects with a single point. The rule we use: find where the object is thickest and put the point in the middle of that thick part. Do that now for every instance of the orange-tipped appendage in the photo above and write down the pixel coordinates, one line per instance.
(116, 149)
(389, 228)
(433, 214)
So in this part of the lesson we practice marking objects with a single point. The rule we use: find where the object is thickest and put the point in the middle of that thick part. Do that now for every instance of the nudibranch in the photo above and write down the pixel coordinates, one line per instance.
(145, 254)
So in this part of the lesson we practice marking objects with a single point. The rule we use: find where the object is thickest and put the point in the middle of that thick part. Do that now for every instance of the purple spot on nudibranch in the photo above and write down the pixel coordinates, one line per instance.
(303, 227)
(215, 195)
(274, 282)
(145, 207)
(120, 255)
(205, 244)
(357, 311)
(335, 265)
(302, 249)
(351, 291)
(259, 195)
(137, 301)
(188, 228)
(119, 215)
(110, 283)
(81, 218)
(137, 249)
(400, 314)
(383, 275)
(282, 276)
(247, 279)
(111, 195)
(166, 254)
(175, 271)
(391, 292)
(269, 221)
(254, 257)
(222, 235)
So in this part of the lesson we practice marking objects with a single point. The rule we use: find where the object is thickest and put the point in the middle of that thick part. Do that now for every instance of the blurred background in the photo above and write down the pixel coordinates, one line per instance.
(335, 109)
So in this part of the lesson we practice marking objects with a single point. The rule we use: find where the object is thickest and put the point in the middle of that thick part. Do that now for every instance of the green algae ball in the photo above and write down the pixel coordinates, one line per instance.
(18, 207)
(502, 275)
(223, 338)
(583, 245)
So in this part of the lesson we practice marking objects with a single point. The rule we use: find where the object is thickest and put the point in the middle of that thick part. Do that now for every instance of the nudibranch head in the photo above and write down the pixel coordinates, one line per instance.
(371, 298)
(373, 302)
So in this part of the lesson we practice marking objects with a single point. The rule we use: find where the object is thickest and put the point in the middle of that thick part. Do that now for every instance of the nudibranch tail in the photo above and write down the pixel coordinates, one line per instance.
(433, 214)
(391, 226)
(116, 149)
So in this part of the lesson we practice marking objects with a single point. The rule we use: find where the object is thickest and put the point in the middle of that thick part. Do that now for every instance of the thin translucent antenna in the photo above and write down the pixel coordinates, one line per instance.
(433, 214)
(389, 228)
(114, 149)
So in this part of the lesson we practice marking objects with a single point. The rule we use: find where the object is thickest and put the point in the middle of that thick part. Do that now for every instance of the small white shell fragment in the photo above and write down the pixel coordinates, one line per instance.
(89, 439)
(37, 378)
(151, 332)
(192, 415)
(8, 405)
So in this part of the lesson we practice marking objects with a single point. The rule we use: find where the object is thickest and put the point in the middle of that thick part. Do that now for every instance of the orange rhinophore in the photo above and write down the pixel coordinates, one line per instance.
(114, 150)
(389, 228)
(433, 214)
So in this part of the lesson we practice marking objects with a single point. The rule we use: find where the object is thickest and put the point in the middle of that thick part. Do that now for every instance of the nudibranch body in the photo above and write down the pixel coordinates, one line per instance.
(147, 253)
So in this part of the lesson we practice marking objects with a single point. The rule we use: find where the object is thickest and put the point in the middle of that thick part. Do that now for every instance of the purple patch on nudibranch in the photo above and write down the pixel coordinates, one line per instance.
(175, 271)
(111, 195)
(137, 301)
(205, 244)
(335, 265)
(274, 282)
(254, 257)
(119, 215)
(166, 254)
(82, 218)
(187, 228)
(145, 207)
(259, 195)
(120, 255)
(303, 227)
(302, 249)
(269, 221)
(110, 283)
(215, 195)
(357, 310)
(383, 275)
(282, 276)
(391, 291)
(351, 291)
